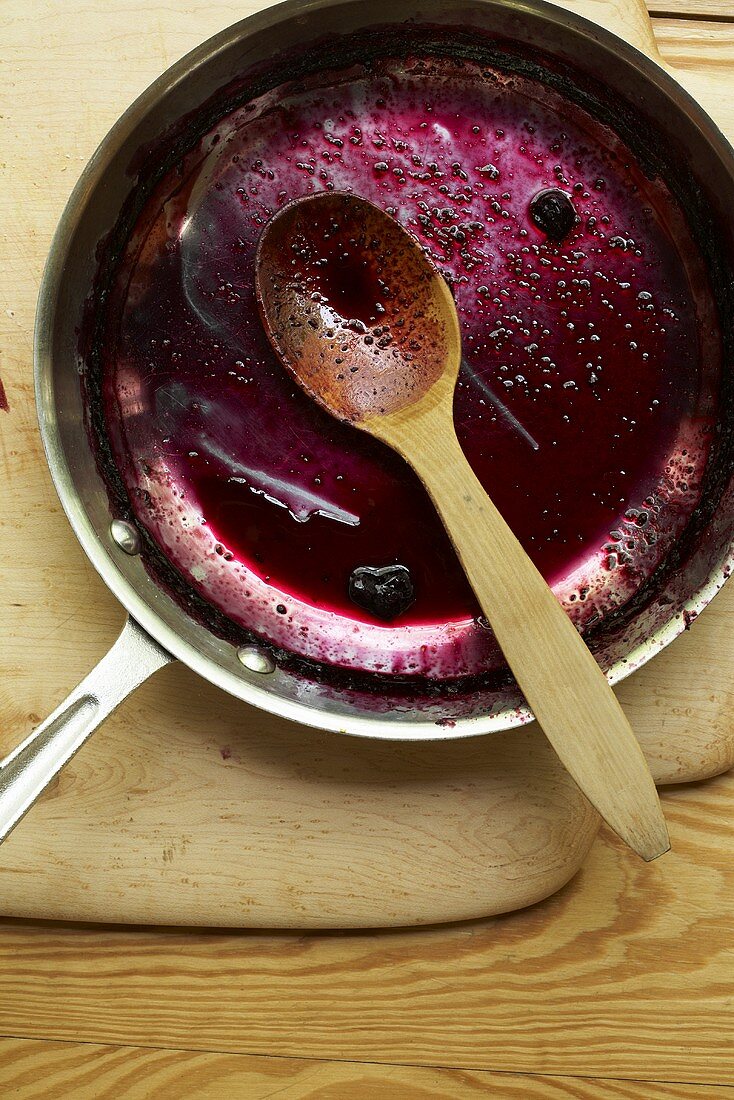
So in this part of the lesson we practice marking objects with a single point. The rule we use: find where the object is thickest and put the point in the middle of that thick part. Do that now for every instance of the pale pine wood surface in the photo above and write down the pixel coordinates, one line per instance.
(618, 976)
(626, 973)
(696, 10)
(681, 42)
(32, 1070)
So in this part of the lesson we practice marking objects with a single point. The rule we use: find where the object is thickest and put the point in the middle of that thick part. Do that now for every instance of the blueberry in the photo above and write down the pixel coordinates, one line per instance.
(385, 591)
(553, 213)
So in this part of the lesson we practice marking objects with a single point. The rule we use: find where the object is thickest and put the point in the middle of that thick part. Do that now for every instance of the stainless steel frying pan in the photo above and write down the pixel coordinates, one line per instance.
(159, 629)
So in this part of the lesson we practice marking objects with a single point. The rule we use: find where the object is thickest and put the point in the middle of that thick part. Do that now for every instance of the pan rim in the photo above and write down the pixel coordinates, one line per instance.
(100, 554)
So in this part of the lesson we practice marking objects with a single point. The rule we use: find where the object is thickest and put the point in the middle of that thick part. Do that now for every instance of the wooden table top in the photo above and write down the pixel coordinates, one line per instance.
(621, 985)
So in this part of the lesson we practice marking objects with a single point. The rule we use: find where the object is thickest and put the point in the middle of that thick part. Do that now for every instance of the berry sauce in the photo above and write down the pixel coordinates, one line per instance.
(585, 404)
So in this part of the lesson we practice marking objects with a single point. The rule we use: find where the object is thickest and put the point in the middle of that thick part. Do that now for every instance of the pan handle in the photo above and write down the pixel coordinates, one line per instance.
(29, 768)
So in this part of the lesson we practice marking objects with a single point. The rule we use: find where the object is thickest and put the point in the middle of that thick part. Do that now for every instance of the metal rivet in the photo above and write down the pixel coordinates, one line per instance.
(125, 536)
(256, 659)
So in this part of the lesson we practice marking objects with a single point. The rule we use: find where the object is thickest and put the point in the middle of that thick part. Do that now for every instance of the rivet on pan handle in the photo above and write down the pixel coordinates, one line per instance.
(27, 770)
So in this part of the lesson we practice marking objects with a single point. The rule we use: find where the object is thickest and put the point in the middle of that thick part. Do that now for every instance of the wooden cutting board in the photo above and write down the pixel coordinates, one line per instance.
(189, 807)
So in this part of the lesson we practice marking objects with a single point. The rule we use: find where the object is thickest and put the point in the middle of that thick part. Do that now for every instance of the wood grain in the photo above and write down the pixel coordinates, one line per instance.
(33, 1070)
(693, 10)
(308, 829)
(683, 44)
(626, 973)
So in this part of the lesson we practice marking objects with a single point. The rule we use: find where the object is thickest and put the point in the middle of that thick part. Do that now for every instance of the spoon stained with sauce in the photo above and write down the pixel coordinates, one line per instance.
(368, 327)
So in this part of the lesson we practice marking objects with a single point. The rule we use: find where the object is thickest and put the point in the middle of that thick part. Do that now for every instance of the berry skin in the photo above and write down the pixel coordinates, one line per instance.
(553, 213)
(385, 591)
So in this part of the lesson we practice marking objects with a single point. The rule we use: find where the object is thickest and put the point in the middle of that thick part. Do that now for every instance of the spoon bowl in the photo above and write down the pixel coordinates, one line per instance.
(354, 308)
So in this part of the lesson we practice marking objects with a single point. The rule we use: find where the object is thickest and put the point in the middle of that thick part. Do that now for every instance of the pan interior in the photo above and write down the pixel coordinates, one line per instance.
(588, 398)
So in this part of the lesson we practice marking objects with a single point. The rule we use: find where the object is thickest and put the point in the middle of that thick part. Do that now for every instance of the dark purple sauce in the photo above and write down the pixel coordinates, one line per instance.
(3, 398)
(602, 349)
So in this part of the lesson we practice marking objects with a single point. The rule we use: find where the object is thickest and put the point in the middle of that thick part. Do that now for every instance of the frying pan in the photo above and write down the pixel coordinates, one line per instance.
(160, 628)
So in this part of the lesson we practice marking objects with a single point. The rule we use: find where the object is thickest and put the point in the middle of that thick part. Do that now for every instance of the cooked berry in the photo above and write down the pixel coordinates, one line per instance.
(385, 591)
(553, 213)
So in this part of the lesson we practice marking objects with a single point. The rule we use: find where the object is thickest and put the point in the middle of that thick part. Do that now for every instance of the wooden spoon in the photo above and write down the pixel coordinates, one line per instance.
(368, 327)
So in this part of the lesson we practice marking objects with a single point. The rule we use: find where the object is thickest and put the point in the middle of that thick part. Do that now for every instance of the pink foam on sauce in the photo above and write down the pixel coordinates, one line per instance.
(603, 349)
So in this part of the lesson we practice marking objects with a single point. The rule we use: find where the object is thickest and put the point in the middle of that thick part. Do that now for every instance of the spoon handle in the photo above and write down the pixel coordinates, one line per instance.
(563, 684)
